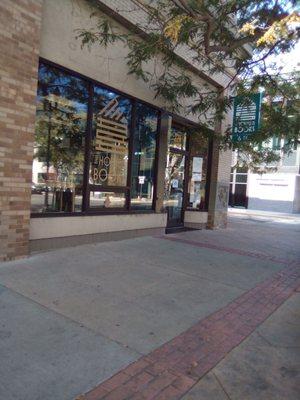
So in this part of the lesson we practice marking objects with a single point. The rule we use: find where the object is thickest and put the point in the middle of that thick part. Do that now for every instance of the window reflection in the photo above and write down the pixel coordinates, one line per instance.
(59, 148)
(107, 200)
(59, 142)
(109, 156)
(174, 181)
(177, 138)
(143, 158)
(197, 171)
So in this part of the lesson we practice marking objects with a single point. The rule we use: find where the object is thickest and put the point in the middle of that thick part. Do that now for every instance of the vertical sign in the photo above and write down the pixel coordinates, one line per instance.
(246, 116)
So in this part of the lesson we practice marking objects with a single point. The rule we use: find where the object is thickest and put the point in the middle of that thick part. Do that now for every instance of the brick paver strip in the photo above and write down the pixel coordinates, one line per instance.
(171, 370)
(226, 249)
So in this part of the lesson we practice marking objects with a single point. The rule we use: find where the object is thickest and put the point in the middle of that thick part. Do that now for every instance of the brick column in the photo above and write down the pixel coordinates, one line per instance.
(219, 188)
(20, 22)
(220, 179)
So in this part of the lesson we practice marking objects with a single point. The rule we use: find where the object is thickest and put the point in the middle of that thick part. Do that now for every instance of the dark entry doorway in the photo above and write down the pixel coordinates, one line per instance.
(238, 188)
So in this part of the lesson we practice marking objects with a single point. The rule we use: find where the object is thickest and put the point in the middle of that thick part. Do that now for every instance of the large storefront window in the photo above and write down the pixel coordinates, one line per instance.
(110, 149)
(143, 157)
(85, 138)
(95, 150)
(109, 156)
(197, 172)
(58, 165)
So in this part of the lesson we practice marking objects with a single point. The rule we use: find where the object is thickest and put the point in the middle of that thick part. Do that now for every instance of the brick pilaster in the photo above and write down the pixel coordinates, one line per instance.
(20, 22)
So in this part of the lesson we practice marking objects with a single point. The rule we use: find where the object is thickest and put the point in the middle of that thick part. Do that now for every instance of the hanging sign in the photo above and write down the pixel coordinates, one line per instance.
(246, 116)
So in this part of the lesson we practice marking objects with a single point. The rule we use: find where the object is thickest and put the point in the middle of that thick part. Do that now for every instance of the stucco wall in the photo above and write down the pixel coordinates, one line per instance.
(60, 21)
(195, 219)
(271, 192)
(133, 12)
(41, 228)
(296, 205)
(59, 44)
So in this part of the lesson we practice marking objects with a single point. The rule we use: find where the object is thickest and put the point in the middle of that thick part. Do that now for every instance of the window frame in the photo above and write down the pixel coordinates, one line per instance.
(209, 144)
(87, 83)
(186, 154)
(118, 189)
(177, 123)
(86, 209)
(86, 186)
(157, 141)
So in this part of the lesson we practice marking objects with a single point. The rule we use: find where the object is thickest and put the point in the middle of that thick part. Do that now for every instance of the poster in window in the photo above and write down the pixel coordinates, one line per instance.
(197, 169)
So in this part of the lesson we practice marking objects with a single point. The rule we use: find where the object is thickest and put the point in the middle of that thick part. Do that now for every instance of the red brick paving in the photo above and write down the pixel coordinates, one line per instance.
(171, 370)
(226, 249)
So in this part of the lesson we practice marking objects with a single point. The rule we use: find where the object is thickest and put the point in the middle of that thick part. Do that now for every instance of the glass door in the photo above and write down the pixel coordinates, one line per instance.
(174, 188)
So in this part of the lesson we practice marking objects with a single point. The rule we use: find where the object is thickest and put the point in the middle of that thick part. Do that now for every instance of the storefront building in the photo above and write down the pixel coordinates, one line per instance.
(274, 190)
(87, 152)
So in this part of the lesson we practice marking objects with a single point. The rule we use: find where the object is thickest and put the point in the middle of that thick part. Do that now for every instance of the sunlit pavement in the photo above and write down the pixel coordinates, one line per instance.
(270, 216)
(70, 319)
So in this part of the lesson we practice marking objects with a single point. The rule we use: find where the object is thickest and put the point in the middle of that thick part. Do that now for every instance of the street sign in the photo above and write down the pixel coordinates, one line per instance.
(246, 116)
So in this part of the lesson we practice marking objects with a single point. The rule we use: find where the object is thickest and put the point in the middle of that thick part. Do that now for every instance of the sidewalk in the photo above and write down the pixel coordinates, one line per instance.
(265, 366)
(73, 318)
(243, 212)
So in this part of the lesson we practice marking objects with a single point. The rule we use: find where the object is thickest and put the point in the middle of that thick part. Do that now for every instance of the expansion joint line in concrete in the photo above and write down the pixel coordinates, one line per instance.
(171, 370)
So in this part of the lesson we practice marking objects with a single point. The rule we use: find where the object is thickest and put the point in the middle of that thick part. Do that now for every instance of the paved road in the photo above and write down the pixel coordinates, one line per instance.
(71, 318)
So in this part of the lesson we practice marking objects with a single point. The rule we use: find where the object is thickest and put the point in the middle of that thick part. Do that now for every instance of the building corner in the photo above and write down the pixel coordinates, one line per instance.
(21, 25)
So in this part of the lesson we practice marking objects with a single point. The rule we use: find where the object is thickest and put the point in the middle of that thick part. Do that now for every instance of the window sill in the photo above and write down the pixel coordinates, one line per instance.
(92, 213)
(196, 210)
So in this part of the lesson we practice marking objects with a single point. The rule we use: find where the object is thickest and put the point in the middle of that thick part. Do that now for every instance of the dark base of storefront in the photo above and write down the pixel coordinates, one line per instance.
(177, 229)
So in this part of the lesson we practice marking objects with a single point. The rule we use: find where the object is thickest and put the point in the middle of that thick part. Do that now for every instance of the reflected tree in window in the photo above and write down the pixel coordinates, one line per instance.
(59, 141)
(143, 158)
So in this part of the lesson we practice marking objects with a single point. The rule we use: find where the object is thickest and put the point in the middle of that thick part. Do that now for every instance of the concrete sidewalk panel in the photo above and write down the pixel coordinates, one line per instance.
(139, 292)
(45, 356)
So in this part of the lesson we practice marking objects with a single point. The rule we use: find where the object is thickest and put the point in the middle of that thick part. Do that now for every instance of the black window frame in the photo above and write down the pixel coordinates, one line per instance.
(86, 187)
(117, 189)
(209, 144)
(178, 123)
(157, 142)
